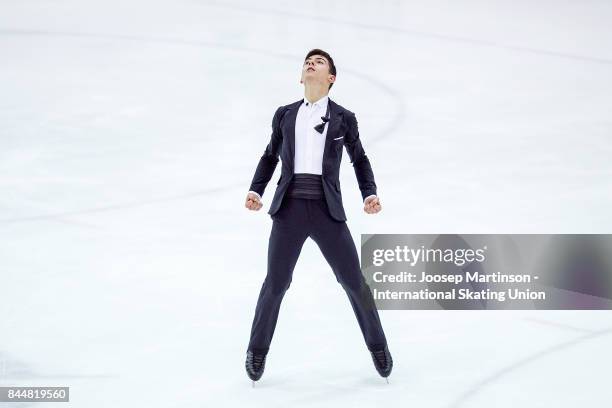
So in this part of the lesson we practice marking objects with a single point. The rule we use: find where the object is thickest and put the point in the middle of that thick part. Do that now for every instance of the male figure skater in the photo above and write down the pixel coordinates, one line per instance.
(309, 135)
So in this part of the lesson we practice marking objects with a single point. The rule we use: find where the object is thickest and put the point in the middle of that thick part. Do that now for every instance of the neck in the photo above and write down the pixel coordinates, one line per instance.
(315, 92)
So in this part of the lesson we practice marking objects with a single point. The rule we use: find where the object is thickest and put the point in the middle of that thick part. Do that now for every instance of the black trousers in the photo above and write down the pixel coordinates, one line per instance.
(296, 220)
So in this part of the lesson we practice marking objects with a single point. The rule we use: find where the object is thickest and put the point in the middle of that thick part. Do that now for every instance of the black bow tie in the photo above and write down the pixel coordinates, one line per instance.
(319, 128)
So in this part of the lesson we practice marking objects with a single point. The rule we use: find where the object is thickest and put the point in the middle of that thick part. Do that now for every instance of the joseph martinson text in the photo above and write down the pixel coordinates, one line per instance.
(455, 293)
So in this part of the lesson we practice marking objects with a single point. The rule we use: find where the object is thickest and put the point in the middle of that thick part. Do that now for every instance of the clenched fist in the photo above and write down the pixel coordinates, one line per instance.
(372, 205)
(253, 202)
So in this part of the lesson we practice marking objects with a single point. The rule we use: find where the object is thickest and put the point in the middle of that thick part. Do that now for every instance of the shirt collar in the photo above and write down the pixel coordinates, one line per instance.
(320, 103)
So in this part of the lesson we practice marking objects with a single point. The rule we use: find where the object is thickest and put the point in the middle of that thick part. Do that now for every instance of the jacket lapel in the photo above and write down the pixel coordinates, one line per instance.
(289, 127)
(333, 126)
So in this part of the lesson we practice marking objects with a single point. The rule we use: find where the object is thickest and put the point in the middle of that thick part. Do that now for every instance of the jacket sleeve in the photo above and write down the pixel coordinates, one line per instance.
(269, 159)
(361, 163)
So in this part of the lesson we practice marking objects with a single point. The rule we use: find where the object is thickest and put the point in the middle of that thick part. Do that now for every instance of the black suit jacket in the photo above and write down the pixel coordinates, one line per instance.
(342, 131)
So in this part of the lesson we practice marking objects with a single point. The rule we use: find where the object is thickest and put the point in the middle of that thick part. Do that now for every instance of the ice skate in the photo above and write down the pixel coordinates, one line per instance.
(383, 362)
(255, 364)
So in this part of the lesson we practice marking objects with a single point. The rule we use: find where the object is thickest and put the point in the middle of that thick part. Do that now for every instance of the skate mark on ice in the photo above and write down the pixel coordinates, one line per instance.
(494, 377)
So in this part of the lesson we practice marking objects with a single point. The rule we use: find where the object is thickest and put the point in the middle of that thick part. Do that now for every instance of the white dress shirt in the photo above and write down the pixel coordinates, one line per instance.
(309, 144)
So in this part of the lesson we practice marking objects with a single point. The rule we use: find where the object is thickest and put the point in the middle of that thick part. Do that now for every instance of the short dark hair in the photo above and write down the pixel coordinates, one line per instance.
(332, 66)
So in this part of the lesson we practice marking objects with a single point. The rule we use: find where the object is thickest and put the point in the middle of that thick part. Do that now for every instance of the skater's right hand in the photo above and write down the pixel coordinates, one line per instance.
(253, 202)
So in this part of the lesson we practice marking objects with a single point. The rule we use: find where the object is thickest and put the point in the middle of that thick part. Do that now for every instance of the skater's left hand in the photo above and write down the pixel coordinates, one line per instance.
(372, 205)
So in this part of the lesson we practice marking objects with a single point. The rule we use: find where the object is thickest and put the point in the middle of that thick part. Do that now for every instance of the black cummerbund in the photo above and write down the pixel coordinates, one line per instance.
(306, 185)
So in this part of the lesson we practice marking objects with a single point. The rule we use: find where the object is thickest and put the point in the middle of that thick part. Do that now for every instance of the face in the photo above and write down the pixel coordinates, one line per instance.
(316, 69)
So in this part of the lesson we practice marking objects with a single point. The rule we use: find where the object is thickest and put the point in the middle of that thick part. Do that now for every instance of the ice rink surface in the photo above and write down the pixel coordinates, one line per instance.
(129, 133)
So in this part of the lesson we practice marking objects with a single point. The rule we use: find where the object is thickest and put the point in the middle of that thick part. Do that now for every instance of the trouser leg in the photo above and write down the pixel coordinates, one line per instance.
(336, 243)
(289, 231)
